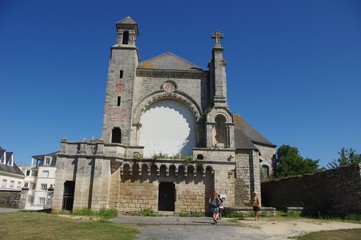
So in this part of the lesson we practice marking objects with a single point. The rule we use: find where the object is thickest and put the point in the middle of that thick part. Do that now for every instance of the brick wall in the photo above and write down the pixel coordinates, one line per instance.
(336, 191)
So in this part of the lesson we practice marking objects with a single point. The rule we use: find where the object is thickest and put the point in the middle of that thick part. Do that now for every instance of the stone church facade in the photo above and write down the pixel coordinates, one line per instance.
(168, 138)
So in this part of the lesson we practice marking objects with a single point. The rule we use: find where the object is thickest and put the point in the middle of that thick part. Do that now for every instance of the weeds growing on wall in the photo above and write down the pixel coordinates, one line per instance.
(161, 155)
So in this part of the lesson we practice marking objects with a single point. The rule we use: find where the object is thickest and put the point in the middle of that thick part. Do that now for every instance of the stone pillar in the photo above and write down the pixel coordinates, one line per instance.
(82, 182)
(101, 184)
(23, 197)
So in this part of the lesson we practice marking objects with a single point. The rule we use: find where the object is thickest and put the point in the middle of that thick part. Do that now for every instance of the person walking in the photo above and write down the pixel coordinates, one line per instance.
(256, 203)
(214, 202)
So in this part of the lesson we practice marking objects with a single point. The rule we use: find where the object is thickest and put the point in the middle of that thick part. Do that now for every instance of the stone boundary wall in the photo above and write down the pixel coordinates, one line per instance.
(335, 191)
(10, 198)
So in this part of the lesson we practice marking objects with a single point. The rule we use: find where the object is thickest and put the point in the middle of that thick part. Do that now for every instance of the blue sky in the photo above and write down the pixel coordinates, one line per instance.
(293, 72)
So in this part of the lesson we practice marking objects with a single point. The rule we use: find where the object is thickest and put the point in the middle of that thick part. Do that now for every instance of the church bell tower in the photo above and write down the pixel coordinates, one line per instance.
(123, 63)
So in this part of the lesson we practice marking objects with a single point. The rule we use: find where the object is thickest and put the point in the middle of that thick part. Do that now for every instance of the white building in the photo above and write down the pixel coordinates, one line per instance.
(11, 176)
(11, 179)
(38, 179)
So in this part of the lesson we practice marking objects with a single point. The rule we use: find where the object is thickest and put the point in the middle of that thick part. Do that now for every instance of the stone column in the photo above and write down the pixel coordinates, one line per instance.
(23, 197)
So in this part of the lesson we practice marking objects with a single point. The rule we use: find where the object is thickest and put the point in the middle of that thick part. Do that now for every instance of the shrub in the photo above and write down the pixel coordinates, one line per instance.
(103, 214)
(147, 212)
(84, 212)
(107, 213)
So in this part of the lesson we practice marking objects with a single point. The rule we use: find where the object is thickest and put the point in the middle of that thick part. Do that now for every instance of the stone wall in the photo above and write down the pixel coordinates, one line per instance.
(336, 191)
(10, 198)
(247, 176)
(135, 192)
(105, 175)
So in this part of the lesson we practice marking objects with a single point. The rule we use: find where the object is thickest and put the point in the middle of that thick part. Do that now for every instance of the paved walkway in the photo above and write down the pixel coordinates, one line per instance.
(197, 228)
(170, 220)
(6, 210)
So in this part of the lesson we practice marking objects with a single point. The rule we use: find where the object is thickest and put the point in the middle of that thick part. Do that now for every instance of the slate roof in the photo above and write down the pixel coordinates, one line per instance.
(127, 20)
(246, 136)
(41, 157)
(168, 61)
(7, 168)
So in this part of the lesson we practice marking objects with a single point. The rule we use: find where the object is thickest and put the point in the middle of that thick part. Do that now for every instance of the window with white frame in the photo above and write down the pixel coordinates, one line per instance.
(45, 174)
(19, 184)
(4, 183)
(12, 183)
(47, 160)
(42, 201)
(44, 186)
(31, 199)
(27, 172)
(11, 161)
(26, 184)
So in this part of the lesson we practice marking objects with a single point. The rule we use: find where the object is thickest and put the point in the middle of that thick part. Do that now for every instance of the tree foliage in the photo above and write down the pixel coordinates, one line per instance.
(347, 157)
(290, 163)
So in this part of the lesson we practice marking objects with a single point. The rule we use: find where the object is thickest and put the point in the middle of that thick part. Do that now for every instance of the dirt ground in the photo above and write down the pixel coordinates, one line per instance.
(283, 228)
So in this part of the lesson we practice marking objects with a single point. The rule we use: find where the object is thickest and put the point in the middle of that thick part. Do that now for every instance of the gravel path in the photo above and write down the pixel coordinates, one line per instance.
(203, 232)
(199, 228)
(179, 228)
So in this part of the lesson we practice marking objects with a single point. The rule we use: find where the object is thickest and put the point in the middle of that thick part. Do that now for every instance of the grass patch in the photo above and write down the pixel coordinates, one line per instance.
(344, 234)
(195, 214)
(147, 212)
(236, 215)
(289, 214)
(103, 214)
(36, 225)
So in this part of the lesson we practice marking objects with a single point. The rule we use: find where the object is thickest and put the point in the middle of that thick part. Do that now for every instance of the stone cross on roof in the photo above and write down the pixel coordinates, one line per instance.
(217, 35)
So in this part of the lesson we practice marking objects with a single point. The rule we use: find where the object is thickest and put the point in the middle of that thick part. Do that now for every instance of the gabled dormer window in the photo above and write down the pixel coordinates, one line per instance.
(47, 160)
(10, 161)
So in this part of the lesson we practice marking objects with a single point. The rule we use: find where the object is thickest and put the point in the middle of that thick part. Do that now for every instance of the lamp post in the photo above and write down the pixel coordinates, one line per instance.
(49, 199)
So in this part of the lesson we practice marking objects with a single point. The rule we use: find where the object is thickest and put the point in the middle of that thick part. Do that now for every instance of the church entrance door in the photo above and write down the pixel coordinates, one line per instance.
(166, 196)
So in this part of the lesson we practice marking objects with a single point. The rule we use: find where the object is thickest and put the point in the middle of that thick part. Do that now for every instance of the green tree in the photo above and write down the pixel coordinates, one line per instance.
(290, 163)
(347, 157)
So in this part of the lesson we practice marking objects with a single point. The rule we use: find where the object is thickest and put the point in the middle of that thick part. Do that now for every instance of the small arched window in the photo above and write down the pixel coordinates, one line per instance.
(116, 135)
(125, 37)
(221, 130)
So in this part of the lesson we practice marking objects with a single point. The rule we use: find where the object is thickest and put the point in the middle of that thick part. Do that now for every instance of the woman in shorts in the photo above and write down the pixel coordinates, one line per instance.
(214, 205)
(256, 203)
